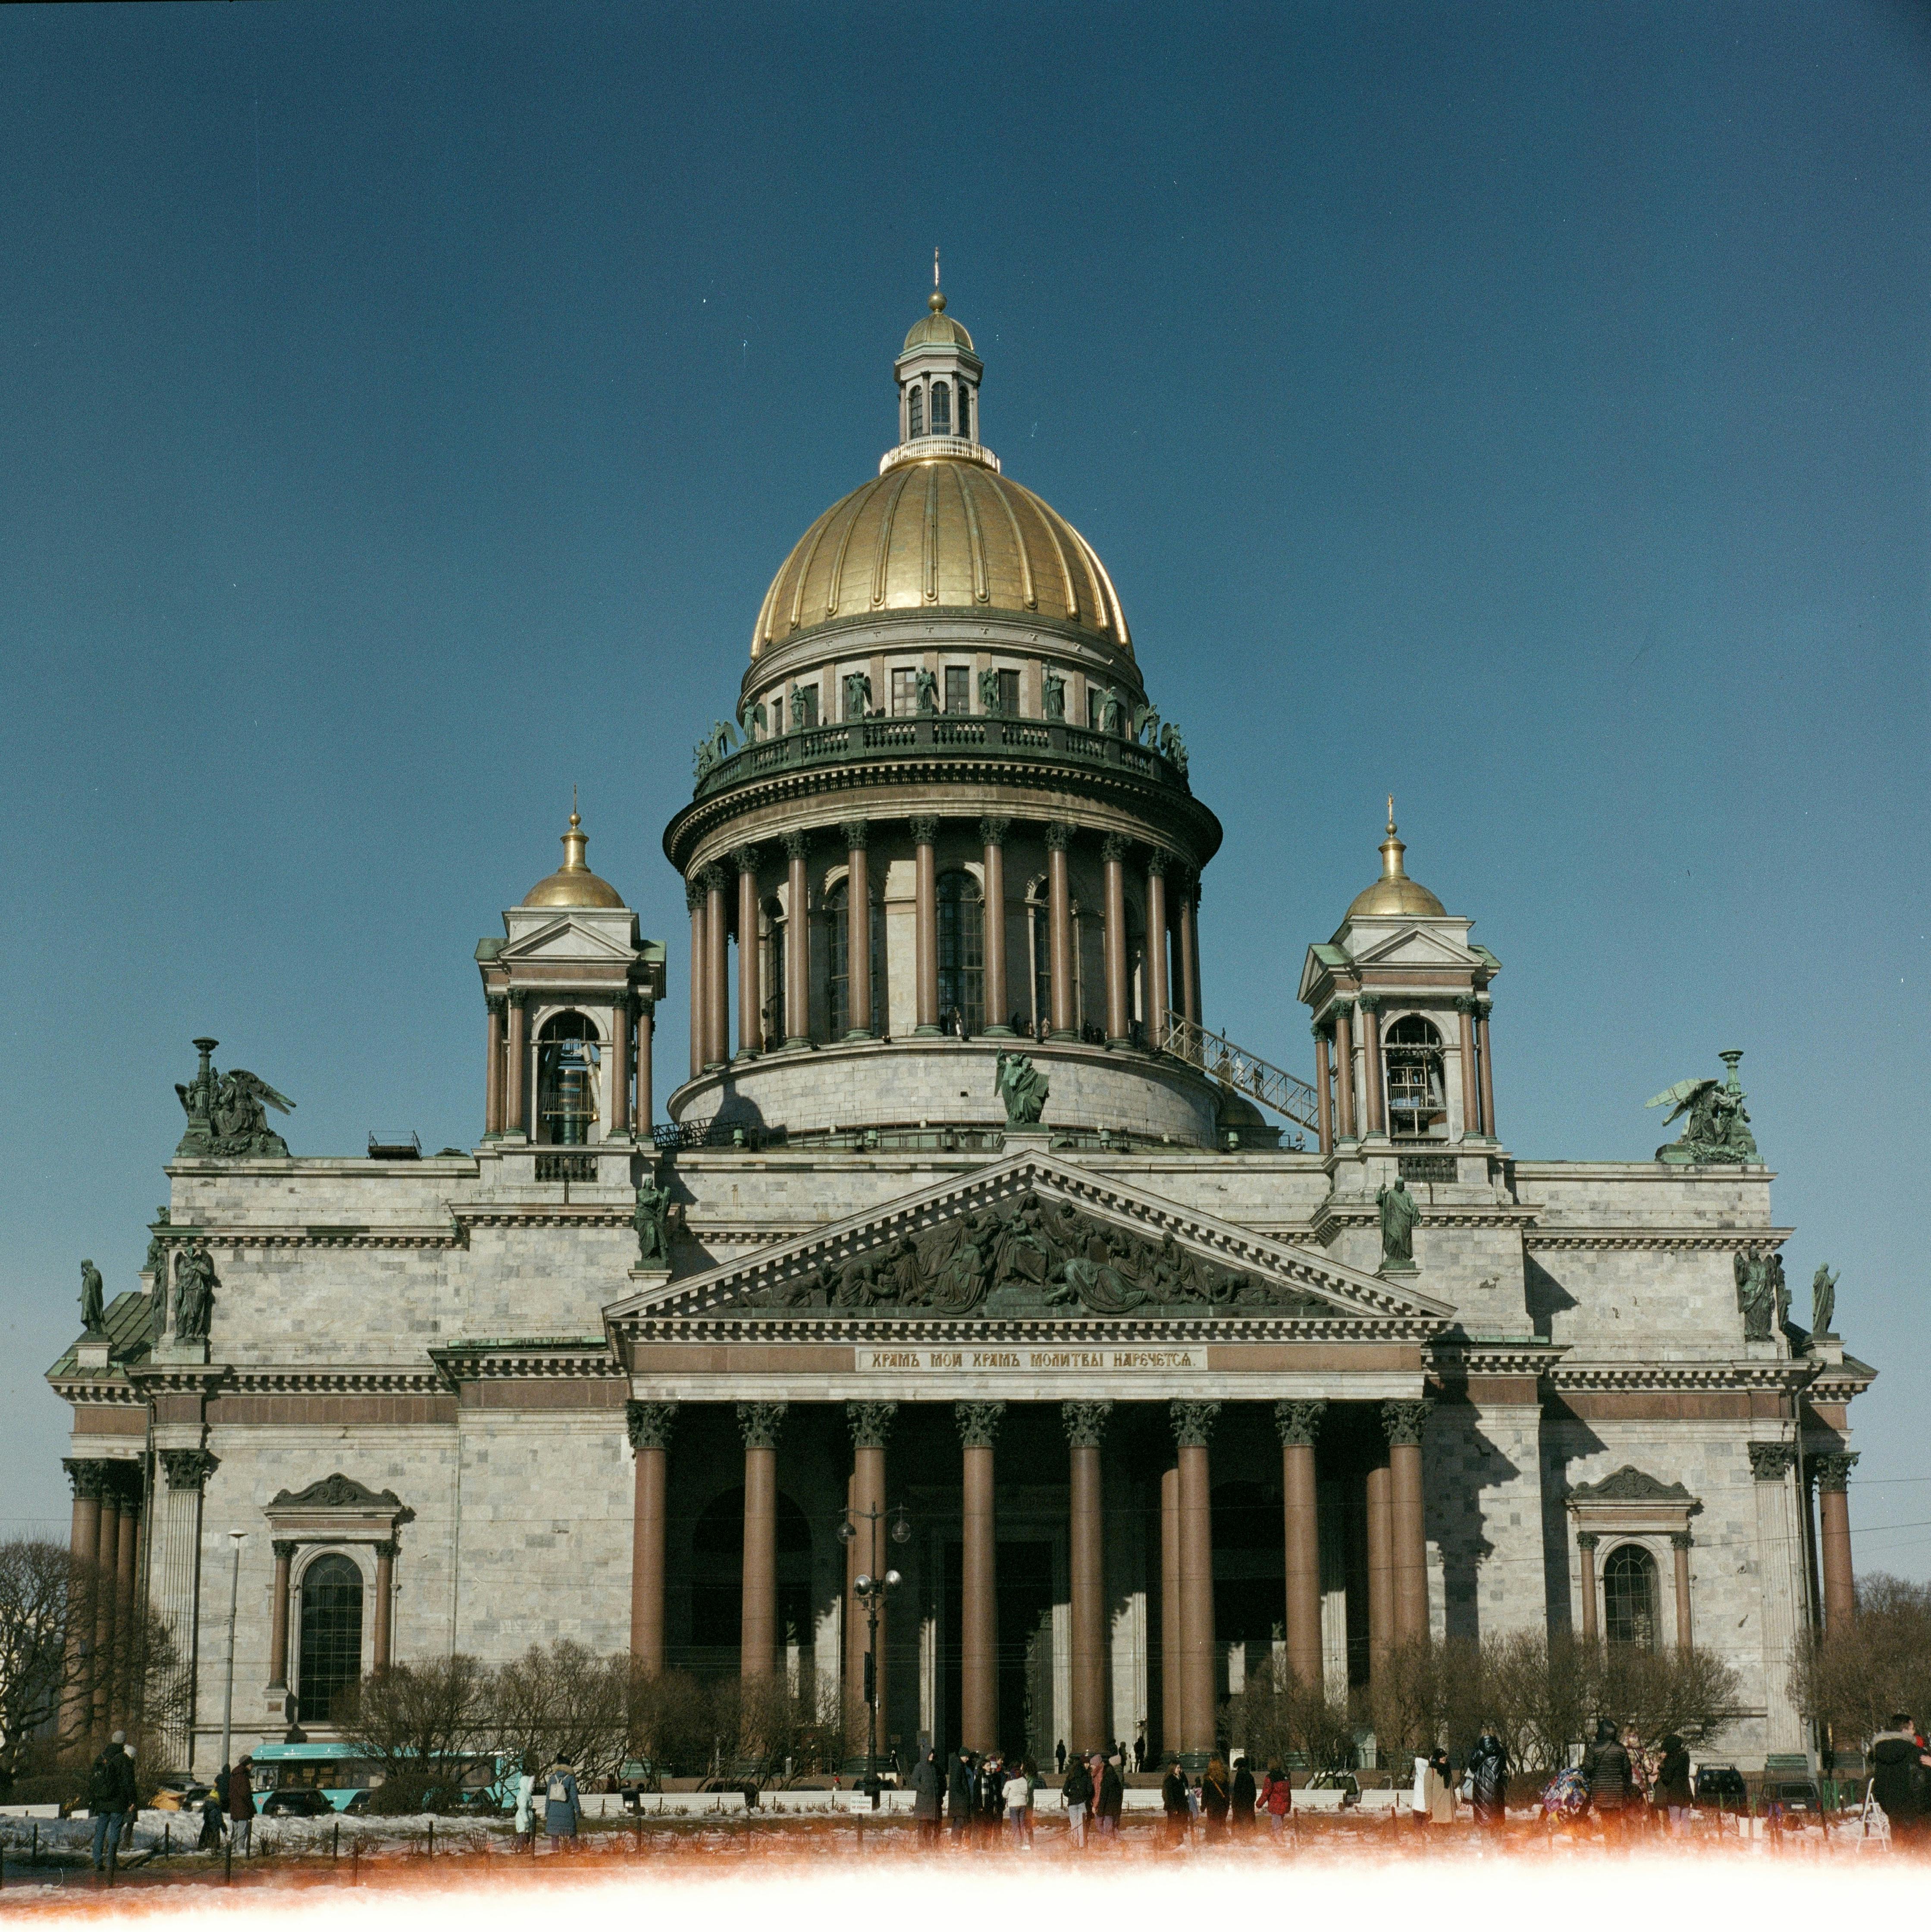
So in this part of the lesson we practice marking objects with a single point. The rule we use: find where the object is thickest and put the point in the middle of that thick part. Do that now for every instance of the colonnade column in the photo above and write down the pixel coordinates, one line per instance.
(382, 1647)
(694, 899)
(1487, 1068)
(870, 1423)
(1188, 933)
(717, 969)
(858, 932)
(1170, 1633)
(647, 1028)
(1471, 1090)
(492, 1065)
(798, 941)
(617, 1109)
(1086, 1426)
(1370, 1004)
(649, 1426)
(1679, 1549)
(1193, 1424)
(89, 1478)
(1342, 1013)
(925, 923)
(284, 1558)
(1585, 1544)
(758, 1422)
(1403, 1421)
(1158, 996)
(1324, 1108)
(517, 1055)
(1297, 1423)
(1833, 1512)
(1059, 918)
(750, 978)
(1120, 1009)
(993, 832)
(176, 1534)
(1381, 1565)
(106, 1559)
(979, 1578)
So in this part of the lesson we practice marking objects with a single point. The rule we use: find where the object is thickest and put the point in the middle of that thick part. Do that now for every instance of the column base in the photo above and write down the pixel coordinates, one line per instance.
(997, 1033)
(928, 1033)
(716, 1065)
(797, 1042)
(1071, 1033)
(858, 1036)
(1127, 1042)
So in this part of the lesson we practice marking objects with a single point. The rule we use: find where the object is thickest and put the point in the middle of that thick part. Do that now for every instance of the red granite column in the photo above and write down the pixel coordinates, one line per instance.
(1159, 997)
(284, 1558)
(649, 1424)
(870, 1423)
(1343, 1015)
(1371, 1075)
(517, 1119)
(1193, 1424)
(1585, 1543)
(1679, 1544)
(750, 978)
(798, 941)
(618, 1109)
(492, 1065)
(107, 1554)
(382, 1648)
(717, 968)
(1471, 1089)
(758, 1422)
(1403, 1422)
(1119, 1005)
(858, 933)
(1059, 914)
(1189, 949)
(1324, 1111)
(1381, 1564)
(1833, 1513)
(925, 927)
(1487, 1071)
(646, 1027)
(978, 1582)
(122, 1702)
(88, 1478)
(1297, 1423)
(696, 898)
(1170, 1633)
(998, 1011)
(1085, 1423)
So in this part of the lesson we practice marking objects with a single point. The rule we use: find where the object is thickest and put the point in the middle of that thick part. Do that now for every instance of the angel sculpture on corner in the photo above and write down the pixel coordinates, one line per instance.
(226, 1113)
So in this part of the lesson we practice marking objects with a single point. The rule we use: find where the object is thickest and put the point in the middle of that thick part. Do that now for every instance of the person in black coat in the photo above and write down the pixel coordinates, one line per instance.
(1241, 1814)
(1177, 1803)
(959, 1793)
(1606, 1766)
(1899, 1764)
(1110, 1799)
(1488, 1780)
(1670, 1793)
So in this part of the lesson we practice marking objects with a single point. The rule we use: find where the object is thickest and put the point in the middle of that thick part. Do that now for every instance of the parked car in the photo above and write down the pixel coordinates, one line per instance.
(297, 1804)
(1799, 1798)
(1723, 1786)
(179, 1794)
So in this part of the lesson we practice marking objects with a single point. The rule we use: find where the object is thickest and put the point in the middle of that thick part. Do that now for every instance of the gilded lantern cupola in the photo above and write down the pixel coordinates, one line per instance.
(938, 385)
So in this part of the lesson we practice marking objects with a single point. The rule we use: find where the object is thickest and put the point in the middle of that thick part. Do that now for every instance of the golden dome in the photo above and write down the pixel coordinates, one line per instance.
(1394, 892)
(943, 533)
(937, 327)
(574, 884)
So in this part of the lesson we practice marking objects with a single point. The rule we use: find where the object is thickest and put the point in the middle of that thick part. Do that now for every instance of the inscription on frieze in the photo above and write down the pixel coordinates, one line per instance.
(1047, 1361)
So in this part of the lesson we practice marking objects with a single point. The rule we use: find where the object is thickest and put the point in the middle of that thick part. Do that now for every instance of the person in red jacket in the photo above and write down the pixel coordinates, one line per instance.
(241, 1805)
(1277, 1797)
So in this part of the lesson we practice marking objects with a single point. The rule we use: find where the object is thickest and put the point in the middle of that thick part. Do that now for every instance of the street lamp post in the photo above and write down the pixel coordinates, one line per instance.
(870, 1591)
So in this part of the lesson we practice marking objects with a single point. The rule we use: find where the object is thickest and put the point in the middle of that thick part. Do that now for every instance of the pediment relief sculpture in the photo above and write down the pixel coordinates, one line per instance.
(337, 1492)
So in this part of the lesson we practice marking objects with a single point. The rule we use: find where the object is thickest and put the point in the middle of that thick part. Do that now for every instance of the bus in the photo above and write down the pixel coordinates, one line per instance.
(485, 1780)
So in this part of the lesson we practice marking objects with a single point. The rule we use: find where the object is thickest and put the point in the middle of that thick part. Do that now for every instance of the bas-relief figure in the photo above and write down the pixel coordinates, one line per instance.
(1718, 1129)
(226, 1116)
(194, 1292)
(93, 1317)
(1399, 1211)
(1035, 1256)
(651, 1218)
(1023, 1088)
(1823, 1300)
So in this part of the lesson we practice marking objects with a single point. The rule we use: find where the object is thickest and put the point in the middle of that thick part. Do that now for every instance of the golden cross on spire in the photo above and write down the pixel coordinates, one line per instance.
(935, 268)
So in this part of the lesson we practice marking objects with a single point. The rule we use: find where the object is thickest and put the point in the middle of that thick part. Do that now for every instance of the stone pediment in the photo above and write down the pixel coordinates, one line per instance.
(1032, 1236)
(1629, 1485)
(567, 938)
(1414, 946)
(337, 1492)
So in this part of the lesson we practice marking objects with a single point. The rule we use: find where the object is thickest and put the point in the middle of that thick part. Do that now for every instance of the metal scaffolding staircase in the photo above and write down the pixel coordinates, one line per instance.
(1243, 1073)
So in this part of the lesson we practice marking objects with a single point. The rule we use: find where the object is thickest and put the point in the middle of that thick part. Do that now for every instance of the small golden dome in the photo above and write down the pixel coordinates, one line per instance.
(574, 884)
(938, 327)
(941, 533)
(1394, 892)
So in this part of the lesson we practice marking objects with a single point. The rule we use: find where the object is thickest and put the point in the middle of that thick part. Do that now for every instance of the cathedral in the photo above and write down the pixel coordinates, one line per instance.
(972, 1324)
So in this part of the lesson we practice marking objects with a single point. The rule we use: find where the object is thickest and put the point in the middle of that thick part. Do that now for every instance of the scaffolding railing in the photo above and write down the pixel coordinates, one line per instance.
(1242, 1072)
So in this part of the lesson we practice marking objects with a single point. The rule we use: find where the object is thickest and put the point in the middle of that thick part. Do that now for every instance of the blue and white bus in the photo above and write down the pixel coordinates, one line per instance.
(485, 1780)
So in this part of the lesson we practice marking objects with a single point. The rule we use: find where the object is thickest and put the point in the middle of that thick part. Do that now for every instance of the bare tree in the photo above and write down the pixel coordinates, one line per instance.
(419, 1723)
(1277, 1717)
(1853, 1679)
(564, 1701)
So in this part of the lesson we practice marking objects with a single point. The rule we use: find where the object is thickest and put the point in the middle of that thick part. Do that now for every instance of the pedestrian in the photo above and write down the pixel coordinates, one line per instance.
(1670, 1793)
(562, 1804)
(212, 1815)
(1110, 1796)
(1059, 1757)
(133, 1813)
(1139, 1751)
(1441, 1793)
(1899, 1782)
(1017, 1796)
(1277, 1798)
(1216, 1799)
(110, 1795)
(1243, 1794)
(928, 1786)
(1177, 1802)
(959, 1782)
(1420, 1797)
(526, 1801)
(1606, 1767)
(1488, 1780)
(1077, 1789)
(241, 1805)
(991, 1796)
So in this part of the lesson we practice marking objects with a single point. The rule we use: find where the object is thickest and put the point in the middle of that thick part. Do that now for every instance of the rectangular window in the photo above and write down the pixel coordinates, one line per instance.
(778, 713)
(1009, 693)
(958, 688)
(1095, 697)
(905, 694)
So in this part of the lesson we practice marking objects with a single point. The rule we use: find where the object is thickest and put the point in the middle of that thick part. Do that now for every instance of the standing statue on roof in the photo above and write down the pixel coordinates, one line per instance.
(1717, 1132)
(93, 1317)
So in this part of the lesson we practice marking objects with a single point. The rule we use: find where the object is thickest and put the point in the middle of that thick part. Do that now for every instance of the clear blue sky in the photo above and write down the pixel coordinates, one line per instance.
(403, 408)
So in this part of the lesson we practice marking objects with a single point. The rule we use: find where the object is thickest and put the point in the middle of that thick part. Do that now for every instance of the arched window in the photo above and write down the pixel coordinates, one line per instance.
(965, 412)
(942, 409)
(961, 951)
(914, 412)
(330, 1653)
(839, 961)
(1417, 1107)
(1039, 923)
(567, 1084)
(1629, 1596)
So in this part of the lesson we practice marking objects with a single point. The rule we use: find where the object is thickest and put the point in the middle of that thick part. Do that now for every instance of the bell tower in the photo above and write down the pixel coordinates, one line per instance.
(938, 385)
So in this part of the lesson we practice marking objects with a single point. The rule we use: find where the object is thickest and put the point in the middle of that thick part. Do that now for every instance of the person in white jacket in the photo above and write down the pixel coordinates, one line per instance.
(526, 1798)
